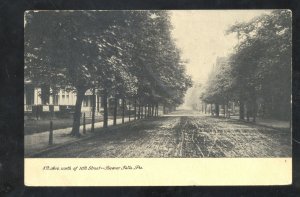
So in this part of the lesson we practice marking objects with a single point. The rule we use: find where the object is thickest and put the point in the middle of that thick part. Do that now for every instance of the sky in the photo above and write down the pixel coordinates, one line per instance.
(200, 35)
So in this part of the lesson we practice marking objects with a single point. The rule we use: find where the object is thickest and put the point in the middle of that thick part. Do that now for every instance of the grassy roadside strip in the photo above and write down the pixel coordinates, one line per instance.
(90, 135)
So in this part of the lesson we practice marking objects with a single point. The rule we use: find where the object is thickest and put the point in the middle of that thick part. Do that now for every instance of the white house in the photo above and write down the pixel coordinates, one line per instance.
(40, 98)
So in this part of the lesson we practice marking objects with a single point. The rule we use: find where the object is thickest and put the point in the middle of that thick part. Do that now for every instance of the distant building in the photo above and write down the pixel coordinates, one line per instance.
(221, 62)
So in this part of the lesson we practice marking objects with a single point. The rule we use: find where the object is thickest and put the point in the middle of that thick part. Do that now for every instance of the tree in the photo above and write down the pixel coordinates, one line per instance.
(124, 54)
(61, 48)
(258, 73)
(155, 59)
(262, 62)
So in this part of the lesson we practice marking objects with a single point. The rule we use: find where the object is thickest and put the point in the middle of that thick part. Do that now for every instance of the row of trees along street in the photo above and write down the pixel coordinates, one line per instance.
(128, 55)
(257, 76)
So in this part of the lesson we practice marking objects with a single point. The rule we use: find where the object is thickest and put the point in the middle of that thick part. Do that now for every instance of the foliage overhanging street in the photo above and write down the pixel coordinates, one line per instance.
(124, 54)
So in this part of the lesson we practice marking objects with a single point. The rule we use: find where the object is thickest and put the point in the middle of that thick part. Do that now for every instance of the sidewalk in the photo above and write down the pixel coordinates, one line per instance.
(39, 141)
(32, 126)
(276, 124)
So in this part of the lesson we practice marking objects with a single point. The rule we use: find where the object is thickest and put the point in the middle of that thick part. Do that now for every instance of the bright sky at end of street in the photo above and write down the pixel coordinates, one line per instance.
(201, 36)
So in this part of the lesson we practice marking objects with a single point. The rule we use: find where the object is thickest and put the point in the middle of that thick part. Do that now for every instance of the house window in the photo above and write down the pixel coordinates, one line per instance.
(55, 99)
(63, 99)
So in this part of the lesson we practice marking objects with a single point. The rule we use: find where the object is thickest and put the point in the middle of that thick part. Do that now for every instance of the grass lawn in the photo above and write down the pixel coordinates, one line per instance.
(37, 126)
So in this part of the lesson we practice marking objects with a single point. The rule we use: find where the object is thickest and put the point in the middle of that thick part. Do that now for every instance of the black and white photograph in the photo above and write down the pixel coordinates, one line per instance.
(157, 84)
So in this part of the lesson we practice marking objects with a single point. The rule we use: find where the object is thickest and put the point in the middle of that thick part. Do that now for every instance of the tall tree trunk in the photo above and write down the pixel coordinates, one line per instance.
(76, 118)
(139, 112)
(254, 109)
(263, 110)
(164, 109)
(224, 112)
(135, 109)
(115, 110)
(241, 113)
(228, 110)
(254, 113)
(93, 109)
(248, 111)
(149, 110)
(129, 110)
(98, 103)
(105, 114)
(247, 114)
(217, 109)
(123, 110)
(142, 111)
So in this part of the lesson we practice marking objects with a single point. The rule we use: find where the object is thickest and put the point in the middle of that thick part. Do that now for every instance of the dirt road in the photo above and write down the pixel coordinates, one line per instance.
(182, 134)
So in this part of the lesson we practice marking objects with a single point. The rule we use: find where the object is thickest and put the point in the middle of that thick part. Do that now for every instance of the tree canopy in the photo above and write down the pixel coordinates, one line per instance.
(126, 53)
(259, 71)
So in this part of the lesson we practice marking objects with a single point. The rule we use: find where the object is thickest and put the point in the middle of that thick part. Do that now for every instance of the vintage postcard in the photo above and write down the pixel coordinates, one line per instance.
(157, 97)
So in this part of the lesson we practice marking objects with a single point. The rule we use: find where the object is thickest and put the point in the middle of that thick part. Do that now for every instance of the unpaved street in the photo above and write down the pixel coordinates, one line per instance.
(182, 134)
